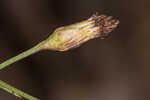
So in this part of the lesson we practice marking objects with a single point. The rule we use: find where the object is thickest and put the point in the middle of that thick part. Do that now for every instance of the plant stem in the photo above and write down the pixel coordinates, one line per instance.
(16, 92)
(11, 89)
(29, 52)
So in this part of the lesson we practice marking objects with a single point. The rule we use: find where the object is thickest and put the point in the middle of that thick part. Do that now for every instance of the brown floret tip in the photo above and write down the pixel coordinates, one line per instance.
(105, 23)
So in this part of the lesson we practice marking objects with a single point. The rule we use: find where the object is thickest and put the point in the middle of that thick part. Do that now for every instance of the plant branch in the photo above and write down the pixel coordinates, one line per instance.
(16, 92)
(29, 52)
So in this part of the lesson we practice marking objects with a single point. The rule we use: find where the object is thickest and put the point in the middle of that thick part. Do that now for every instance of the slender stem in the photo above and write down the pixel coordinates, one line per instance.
(29, 52)
(11, 89)
(16, 92)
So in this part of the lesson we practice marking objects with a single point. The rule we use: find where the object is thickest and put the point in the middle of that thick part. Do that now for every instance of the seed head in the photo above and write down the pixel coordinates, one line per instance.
(71, 36)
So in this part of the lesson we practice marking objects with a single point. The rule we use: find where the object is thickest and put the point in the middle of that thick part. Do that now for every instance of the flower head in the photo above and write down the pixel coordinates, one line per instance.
(71, 36)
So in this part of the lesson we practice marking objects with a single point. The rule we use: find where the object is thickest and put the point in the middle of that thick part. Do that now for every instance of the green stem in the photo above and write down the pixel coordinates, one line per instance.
(11, 89)
(16, 92)
(22, 55)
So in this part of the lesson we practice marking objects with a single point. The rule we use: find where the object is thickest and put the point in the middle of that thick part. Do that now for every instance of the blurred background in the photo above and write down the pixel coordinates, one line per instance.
(117, 68)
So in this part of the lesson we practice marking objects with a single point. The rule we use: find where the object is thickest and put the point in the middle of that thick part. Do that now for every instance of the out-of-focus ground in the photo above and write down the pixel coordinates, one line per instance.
(117, 68)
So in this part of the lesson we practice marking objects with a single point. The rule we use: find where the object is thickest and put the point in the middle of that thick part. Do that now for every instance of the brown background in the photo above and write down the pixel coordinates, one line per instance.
(113, 69)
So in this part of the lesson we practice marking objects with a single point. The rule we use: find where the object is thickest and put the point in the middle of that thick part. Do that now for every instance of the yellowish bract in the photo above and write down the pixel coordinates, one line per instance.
(71, 36)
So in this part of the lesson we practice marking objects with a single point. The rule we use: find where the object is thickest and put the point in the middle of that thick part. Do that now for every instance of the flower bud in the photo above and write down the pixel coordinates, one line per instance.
(71, 36)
